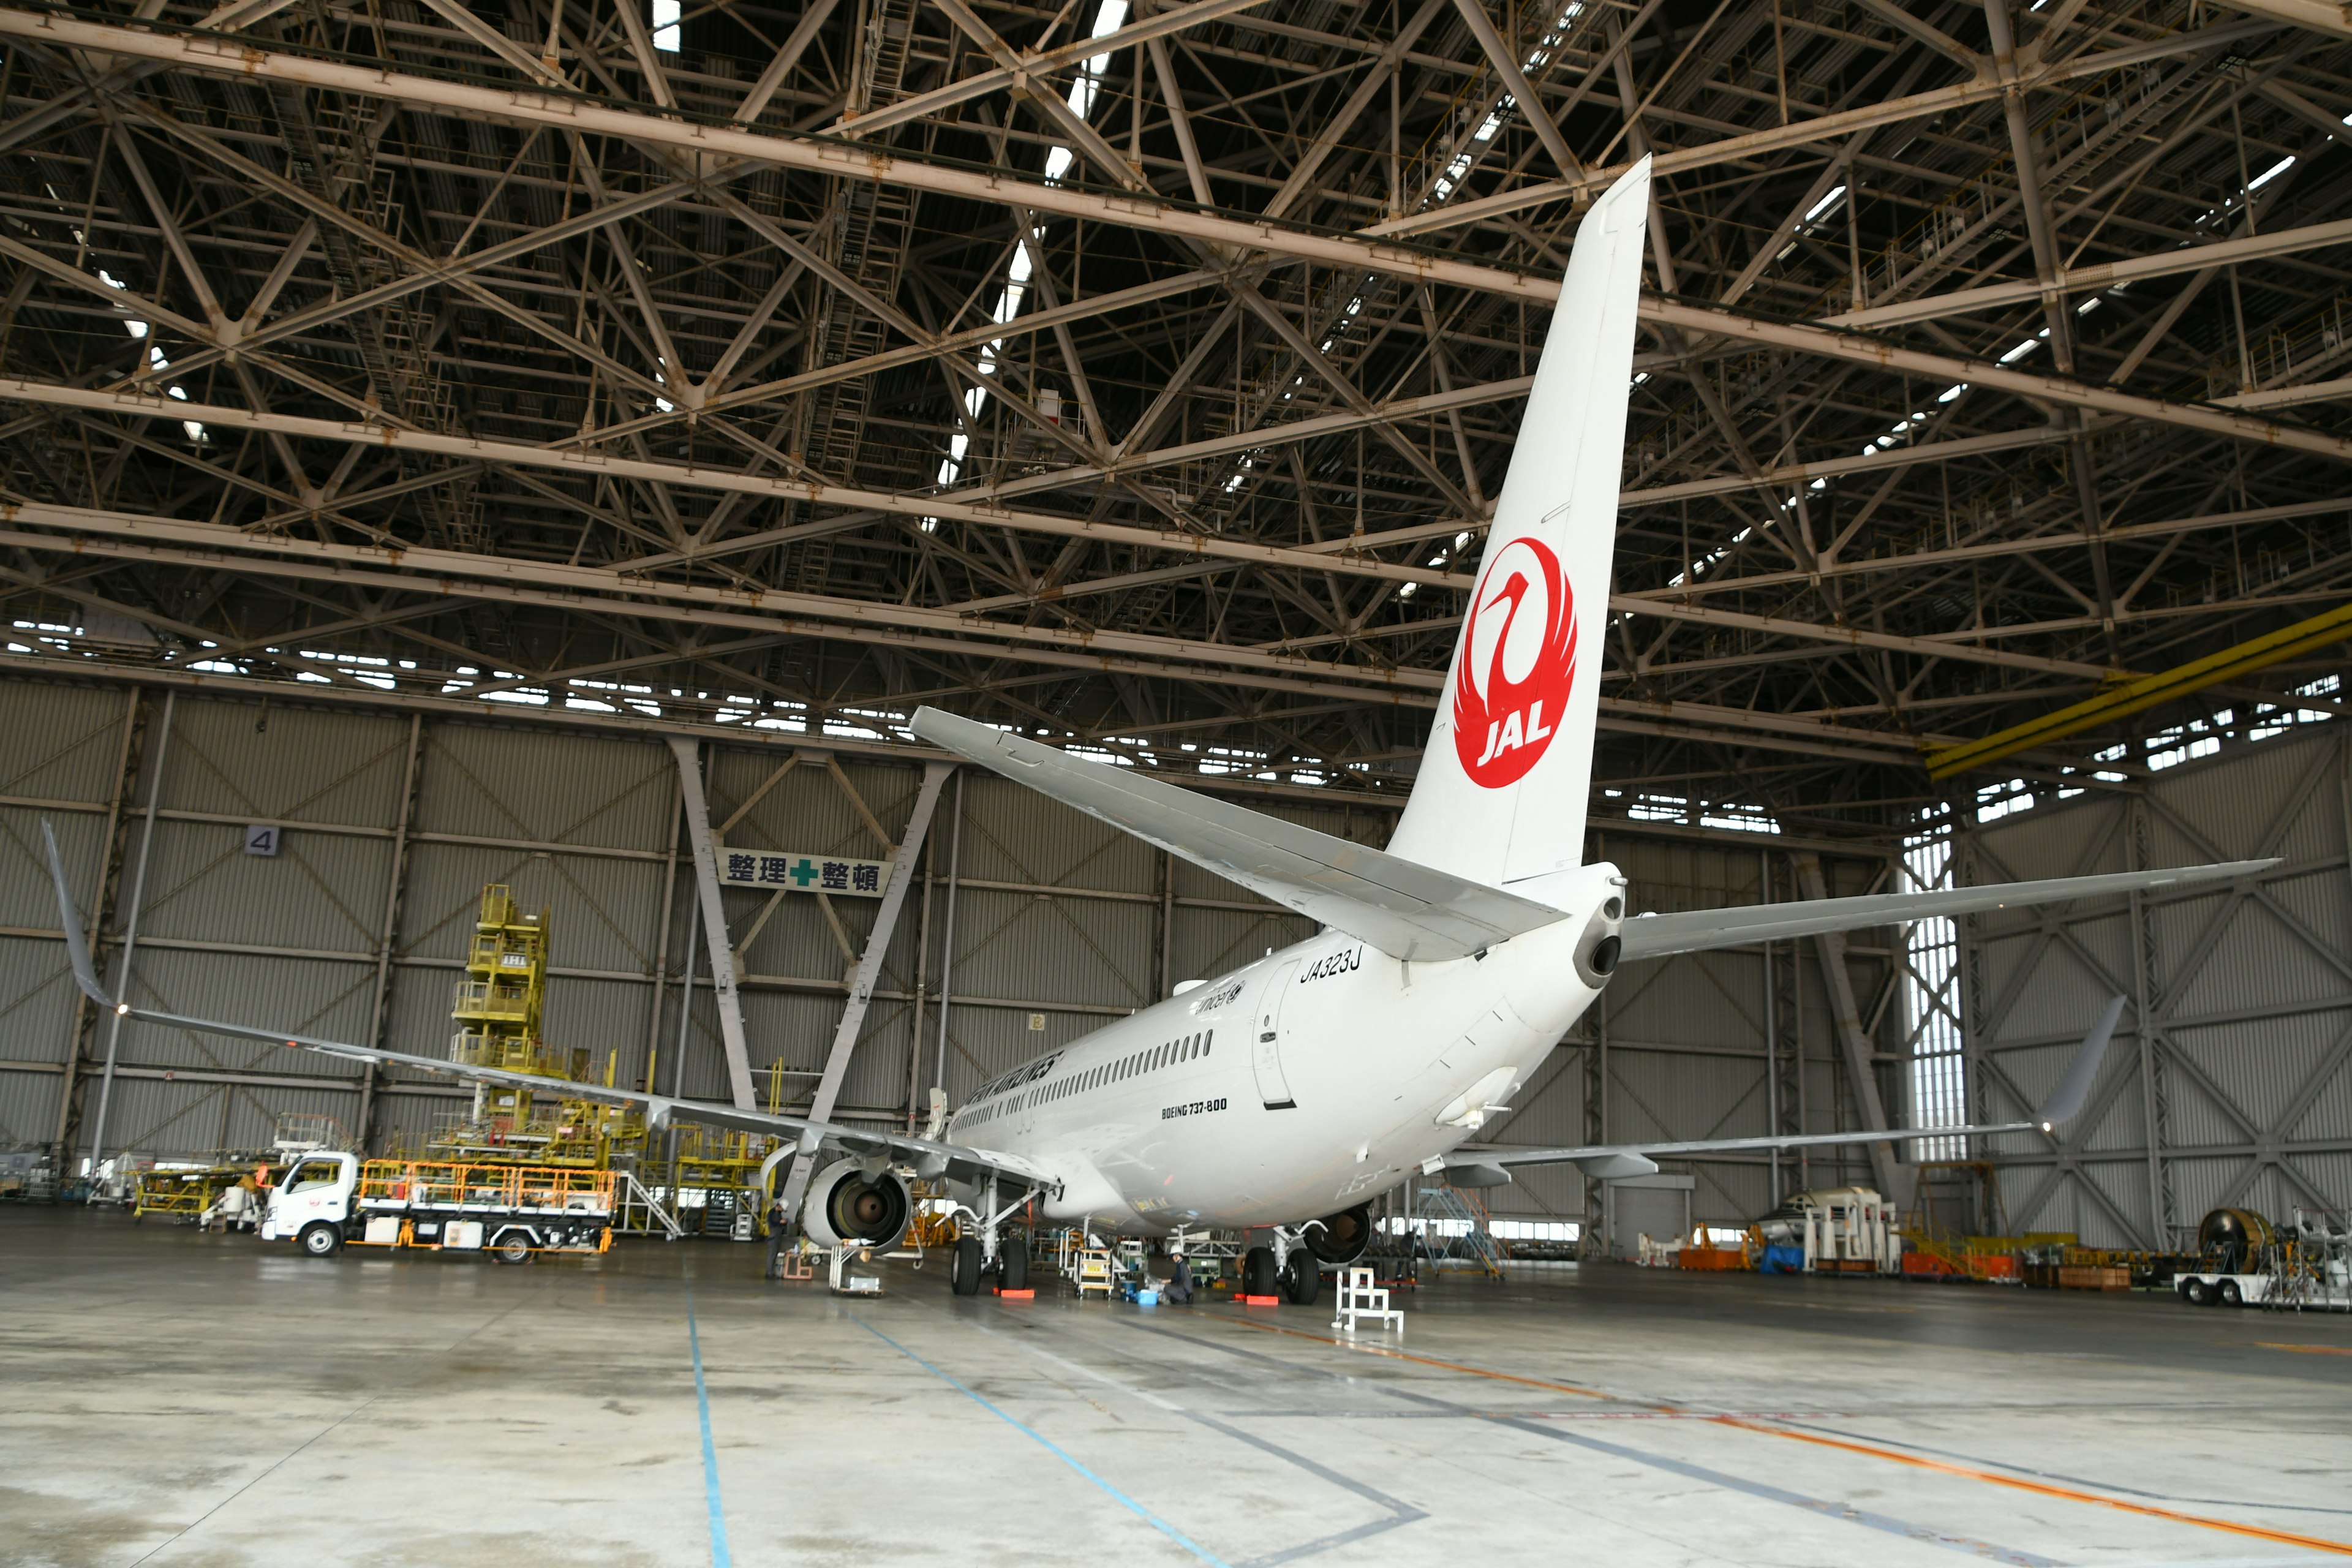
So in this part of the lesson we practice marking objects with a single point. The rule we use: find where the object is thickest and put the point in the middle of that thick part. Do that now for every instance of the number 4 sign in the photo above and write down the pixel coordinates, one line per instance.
(261, 838)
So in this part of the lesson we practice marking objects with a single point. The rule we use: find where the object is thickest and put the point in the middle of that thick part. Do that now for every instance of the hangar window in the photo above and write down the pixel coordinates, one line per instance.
(1931, 997)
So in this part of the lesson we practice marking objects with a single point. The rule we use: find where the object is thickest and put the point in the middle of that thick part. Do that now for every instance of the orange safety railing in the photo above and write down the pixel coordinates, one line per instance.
(450, 1183)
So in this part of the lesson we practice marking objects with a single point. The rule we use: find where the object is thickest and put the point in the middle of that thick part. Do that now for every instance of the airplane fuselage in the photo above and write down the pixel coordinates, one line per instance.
(1295, 1087)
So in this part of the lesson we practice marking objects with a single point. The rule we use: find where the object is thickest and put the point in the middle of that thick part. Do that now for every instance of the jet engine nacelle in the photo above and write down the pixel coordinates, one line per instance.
(846, 1204)
(1339, 1240)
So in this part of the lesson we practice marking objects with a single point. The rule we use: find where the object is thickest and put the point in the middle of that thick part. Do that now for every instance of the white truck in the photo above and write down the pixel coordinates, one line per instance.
(330, 1198)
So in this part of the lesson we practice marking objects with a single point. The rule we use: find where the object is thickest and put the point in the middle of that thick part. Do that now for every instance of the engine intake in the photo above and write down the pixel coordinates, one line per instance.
(844, 1204)
(1339, 1239)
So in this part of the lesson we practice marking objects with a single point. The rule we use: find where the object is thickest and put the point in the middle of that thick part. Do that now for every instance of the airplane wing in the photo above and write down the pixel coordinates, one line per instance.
(1612, 1161)
(930, 1159)
(1659, 936)
(1405, 909)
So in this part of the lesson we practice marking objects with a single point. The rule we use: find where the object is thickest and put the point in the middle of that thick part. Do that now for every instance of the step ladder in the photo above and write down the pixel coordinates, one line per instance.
(1359, 1298)
(1457, 1231)
(1097, 1270)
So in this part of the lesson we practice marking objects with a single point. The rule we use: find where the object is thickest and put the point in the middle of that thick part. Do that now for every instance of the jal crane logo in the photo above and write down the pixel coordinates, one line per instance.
(1518, 660)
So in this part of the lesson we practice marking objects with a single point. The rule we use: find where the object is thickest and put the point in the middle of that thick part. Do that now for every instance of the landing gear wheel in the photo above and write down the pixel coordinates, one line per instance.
(965, 1277)
(1012, 1264)
(2230, 1295)
(1259, 1277)
(1301, 1279)
(321, 1239)
(513, 1249)
(2196, 1292)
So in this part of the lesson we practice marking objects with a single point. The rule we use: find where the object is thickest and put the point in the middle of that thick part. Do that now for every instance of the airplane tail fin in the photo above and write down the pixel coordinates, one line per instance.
(1501, 793)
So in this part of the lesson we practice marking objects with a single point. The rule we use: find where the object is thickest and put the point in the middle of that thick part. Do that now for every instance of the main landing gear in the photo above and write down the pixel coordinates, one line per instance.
(971, 1266)
(977, 1256)
(1287, 1268)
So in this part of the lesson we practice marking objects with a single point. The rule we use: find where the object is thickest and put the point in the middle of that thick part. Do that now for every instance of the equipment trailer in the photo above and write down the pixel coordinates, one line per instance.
(509, 1210)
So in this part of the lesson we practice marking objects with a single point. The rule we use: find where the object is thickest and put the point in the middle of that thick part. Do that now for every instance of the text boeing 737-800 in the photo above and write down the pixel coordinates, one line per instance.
(1281, 1097)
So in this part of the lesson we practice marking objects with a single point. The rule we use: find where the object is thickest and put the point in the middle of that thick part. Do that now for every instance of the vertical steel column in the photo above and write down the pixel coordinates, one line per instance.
(2147, 1004)
(79, 1019)
(714, 923)
(947, 939)
(869, 973)
(131, 937)
(1860, 1072)
(685, 1006)
(661, 940)
(1772, 1031)
(379, 1008)
(922, 978)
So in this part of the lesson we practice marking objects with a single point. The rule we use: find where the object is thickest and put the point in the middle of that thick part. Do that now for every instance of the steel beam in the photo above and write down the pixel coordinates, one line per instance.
(2103, 275)
(869, 973)
(714, 926)
(130, 935)
(396, 886)
(1895, 1178)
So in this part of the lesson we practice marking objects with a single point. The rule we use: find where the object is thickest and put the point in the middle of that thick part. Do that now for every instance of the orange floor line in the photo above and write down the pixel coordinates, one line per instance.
(1448, 1366)
(2017, 1483)
(2044, 1489)
(2305, 1350)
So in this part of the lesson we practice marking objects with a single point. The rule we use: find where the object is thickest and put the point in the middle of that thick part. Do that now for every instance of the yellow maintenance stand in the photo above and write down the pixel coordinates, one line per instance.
(497, 1009)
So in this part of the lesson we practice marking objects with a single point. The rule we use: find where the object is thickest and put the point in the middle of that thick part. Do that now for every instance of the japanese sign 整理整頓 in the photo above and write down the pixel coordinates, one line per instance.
(774, 869)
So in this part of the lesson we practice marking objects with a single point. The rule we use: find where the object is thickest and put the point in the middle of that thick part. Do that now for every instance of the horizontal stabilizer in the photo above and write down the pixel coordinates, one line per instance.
(1698, 931)
(1405, 909)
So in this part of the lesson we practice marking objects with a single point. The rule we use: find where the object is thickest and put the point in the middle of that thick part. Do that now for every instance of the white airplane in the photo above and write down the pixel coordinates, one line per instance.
(1279, 1098)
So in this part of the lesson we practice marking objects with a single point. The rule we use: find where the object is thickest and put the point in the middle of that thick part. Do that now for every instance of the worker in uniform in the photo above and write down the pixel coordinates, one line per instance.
(1178, 1291)
(779, 1224)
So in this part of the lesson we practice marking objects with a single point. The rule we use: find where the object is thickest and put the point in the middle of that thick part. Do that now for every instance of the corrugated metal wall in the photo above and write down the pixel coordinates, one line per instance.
(1058, 925)
(2235, 1042)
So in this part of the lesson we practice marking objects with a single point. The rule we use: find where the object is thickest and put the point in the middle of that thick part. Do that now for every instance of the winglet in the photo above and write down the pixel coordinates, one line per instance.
(2065, 1102)
(76, 948)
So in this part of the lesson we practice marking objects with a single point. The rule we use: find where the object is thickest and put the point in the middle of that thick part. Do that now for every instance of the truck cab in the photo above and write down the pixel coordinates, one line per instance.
(312, 1202)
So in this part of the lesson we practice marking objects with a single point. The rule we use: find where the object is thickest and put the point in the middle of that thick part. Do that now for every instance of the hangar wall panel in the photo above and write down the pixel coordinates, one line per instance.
(2230, 1082)
(62, 767)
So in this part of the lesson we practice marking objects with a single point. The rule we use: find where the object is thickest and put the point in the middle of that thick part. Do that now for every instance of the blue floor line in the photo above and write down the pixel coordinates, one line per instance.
(719, 1557)
(1133, 1507)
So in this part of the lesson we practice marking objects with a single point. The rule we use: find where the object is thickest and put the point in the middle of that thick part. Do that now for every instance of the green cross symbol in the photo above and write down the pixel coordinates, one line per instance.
(804, 873)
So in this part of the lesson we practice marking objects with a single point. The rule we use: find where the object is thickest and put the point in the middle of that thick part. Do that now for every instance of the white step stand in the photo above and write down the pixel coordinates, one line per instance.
(1358, 1298)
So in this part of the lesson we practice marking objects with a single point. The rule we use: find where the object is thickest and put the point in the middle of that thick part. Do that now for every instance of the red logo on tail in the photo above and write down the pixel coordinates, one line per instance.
(1518, 662)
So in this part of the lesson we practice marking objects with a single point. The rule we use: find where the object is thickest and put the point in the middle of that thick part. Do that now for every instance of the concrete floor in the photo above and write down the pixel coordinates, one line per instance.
(177, 1399)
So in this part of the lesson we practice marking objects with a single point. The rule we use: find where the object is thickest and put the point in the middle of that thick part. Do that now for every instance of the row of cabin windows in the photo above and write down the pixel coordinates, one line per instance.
(1190, 1049)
